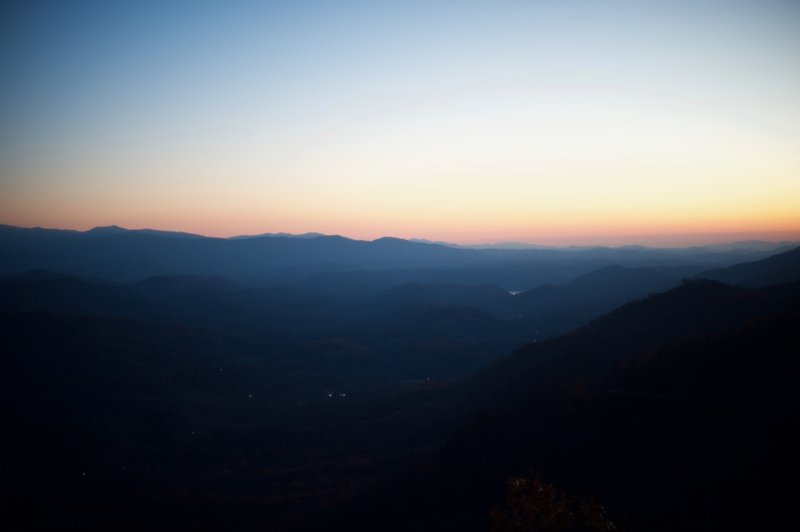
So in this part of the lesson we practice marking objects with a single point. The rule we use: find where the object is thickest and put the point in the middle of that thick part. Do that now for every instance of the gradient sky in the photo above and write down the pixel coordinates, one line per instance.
(551, 122)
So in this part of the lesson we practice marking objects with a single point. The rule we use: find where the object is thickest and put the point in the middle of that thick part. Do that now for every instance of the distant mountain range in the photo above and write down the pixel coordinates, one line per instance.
(116, 253)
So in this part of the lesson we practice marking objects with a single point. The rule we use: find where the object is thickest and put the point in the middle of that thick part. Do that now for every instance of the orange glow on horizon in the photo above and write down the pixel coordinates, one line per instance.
(598, 233)
(660, 124)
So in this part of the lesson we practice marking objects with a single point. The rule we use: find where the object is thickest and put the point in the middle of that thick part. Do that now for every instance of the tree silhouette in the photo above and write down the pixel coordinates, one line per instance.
(534, 506)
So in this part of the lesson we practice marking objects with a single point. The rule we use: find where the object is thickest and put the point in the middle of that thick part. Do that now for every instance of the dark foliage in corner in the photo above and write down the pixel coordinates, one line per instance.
(535, 506)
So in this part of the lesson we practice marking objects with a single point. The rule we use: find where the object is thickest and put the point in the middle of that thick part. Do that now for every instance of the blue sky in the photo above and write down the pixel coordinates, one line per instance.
(465, 121)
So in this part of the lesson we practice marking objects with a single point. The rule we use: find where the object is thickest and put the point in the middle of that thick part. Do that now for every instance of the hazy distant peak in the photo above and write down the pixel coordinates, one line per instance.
(510, 245)
(106, 230)
(113, 230)
(389, 240)
(748, 245)
(280, 235)
(410, 244)
(437, 242)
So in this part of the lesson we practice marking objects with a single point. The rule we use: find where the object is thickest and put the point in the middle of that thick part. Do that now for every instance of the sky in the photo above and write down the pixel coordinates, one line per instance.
(554, 122)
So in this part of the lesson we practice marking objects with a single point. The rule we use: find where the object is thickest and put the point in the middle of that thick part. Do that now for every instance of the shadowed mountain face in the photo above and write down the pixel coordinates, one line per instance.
(367, 385)
(556, 309)
(784, 267)
(670, 411)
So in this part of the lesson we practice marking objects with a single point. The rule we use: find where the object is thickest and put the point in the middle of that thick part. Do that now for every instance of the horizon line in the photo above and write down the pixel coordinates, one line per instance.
(713, 238)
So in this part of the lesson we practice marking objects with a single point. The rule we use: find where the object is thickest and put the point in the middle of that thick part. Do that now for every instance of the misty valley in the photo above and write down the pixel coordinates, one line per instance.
(156, 380)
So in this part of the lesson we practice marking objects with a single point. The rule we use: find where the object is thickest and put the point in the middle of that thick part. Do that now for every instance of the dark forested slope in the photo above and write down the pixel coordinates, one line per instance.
(676, 412)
